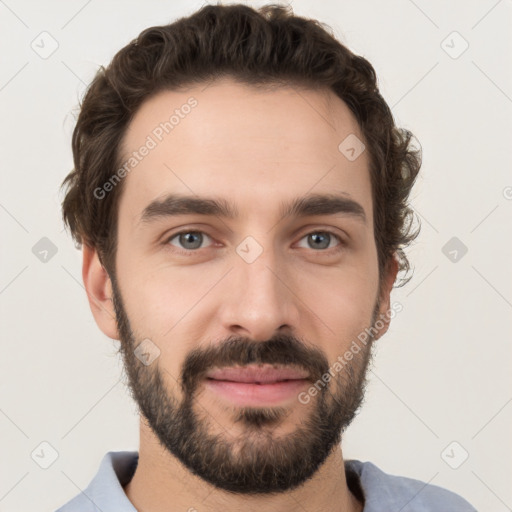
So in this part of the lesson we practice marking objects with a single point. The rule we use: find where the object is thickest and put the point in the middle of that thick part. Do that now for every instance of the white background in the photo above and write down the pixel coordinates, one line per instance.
(442, 372)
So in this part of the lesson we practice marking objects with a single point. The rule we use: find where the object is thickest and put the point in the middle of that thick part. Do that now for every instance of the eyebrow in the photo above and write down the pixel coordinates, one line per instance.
(314, 204)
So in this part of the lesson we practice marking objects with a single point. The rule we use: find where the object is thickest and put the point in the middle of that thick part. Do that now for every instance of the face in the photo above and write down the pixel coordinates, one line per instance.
(200, 288)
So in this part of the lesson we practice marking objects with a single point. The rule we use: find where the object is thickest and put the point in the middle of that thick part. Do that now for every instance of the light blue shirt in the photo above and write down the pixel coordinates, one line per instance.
(382, 492)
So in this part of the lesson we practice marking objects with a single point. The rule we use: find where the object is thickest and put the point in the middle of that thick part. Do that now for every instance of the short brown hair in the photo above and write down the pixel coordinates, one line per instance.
(269, 46)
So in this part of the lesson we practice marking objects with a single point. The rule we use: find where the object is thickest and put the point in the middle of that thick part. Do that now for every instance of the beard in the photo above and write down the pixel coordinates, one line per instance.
(258, 461)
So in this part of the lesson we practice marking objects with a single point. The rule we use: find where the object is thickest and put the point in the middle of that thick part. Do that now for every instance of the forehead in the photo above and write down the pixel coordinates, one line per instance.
(256, 147)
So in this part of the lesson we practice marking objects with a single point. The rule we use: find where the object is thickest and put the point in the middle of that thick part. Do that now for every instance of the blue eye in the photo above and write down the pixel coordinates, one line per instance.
(188, 242)
(322, 239)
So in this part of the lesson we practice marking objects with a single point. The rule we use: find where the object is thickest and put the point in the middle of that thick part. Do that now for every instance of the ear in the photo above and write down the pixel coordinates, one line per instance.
(99, 292)
(385, 296)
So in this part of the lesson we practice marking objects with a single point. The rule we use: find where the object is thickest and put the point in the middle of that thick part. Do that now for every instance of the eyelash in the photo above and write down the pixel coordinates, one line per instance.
(190, 252)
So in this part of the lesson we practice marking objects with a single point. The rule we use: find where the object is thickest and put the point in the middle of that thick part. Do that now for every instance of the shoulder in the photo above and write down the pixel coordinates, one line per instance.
(383, 491)
(80, 503)
(105, 491)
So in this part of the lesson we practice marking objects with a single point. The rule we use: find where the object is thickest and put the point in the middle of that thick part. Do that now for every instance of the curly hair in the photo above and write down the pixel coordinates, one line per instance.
(268, 46)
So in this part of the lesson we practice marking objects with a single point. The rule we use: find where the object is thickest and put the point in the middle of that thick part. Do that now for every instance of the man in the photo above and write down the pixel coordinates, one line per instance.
(261, 141)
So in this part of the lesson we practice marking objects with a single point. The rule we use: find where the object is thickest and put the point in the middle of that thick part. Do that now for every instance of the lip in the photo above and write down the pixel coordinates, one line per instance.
(257, 385)
(257, 374)
(247, 394)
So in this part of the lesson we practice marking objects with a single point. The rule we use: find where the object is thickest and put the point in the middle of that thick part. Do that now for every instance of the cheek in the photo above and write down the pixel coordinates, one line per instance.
(157, 311)
(342, 303)
(161, 301)
(345, 292)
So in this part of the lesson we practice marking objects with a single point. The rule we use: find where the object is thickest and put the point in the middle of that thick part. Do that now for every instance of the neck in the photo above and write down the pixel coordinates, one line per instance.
(161, 483)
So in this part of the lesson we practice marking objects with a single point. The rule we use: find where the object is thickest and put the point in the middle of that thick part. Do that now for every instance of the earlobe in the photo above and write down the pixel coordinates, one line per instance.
(99, 292)
(383, 319)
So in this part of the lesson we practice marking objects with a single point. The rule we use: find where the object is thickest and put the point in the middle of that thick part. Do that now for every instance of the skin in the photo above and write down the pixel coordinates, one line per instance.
(255, 148)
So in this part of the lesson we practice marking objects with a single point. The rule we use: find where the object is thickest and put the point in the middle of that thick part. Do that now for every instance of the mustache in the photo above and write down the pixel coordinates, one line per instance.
(282, 349)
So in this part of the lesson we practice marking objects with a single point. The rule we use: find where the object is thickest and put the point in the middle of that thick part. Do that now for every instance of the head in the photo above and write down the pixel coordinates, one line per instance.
(296, 182)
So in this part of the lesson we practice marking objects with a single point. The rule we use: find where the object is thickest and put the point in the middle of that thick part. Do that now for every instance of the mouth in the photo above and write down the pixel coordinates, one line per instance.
(262, 374)
(257, 385)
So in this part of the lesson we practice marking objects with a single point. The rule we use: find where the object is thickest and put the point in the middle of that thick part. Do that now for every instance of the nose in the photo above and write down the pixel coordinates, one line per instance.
(258, 302)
